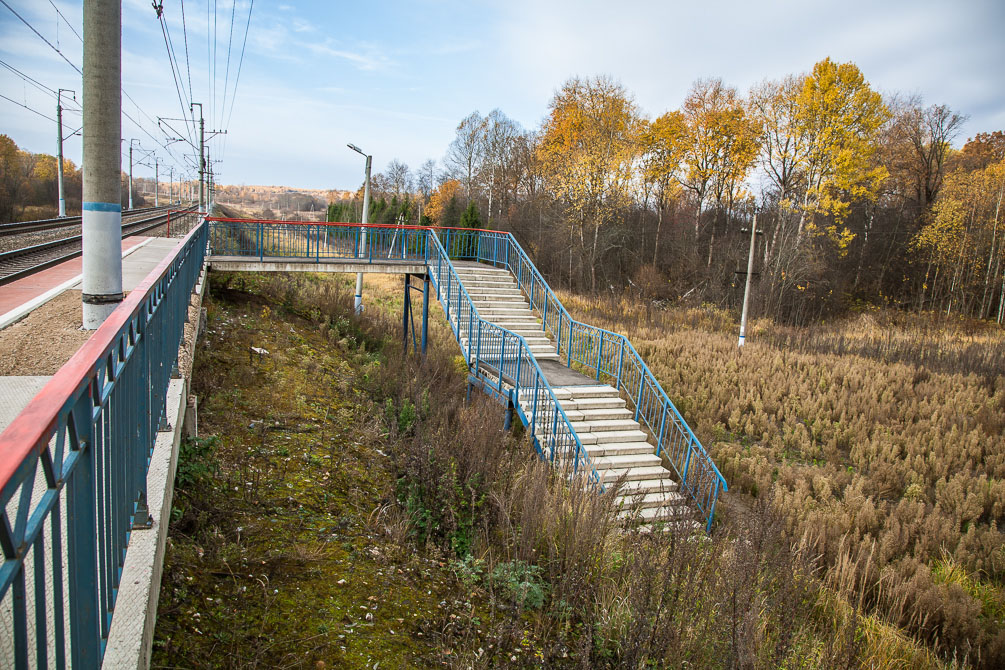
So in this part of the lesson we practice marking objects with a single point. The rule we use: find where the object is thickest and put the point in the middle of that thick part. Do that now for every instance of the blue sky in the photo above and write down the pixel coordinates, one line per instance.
(396, 77)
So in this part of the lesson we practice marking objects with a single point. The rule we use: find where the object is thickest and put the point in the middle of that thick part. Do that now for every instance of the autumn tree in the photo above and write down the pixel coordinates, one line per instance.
(398, 177)
(426, 178)
(923, 139)
(465, 152)
(963, 245)
(499, 135)
(784, 144)
(588, 151)
(840, 116)
(443, 208)
(664, 146)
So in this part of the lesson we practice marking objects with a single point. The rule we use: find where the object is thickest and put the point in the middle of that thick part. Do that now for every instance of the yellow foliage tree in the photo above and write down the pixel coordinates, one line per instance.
(840, 115)
(588, 150)
(440, 200)
(664, 146)
(964, 242)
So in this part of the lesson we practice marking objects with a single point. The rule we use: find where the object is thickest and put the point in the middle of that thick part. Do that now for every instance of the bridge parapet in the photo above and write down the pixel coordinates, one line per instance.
(609, 357)
(73, 472)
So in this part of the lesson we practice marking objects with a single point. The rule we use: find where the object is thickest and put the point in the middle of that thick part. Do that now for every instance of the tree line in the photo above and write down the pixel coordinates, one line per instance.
(860, 198)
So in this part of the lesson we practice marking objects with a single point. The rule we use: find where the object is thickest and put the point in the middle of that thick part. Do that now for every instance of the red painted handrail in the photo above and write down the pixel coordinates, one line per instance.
(30, 431)
(395, 226)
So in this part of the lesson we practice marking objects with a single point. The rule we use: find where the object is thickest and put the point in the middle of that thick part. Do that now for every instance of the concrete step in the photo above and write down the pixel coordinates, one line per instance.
(660, 483)
(605, 425)
(598, 414)
(615, 448)
(669, 513)
(621, 461)
(616, 436)
(590, 403)
(649, 500)
(598, 391)
(631, 474)
(606, 413)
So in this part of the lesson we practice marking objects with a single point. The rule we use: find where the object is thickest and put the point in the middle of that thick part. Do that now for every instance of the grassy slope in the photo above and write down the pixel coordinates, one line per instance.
(276, 556)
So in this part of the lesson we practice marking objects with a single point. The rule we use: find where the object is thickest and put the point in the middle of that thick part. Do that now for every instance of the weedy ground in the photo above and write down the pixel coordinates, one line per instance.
(346, 508)
(275, 555)
(878, 438)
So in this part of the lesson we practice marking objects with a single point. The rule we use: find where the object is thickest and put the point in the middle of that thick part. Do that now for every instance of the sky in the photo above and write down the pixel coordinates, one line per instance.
(396, 77)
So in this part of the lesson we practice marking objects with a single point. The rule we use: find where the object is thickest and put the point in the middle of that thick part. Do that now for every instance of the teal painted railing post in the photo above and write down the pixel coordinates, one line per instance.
(663, 423)
(687, 463)
(471, 324)
(638, 398)
(621, 358)
(568, 361)
(258, 242)
(533, 411)
(502, 358)
(600, 355)
(558, 333)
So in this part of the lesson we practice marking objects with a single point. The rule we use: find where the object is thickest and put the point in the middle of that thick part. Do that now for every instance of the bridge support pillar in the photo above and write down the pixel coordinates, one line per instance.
(406, 312)
(425, 312)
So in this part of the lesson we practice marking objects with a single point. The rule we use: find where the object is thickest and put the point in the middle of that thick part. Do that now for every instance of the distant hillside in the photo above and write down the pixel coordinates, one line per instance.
(280, 202)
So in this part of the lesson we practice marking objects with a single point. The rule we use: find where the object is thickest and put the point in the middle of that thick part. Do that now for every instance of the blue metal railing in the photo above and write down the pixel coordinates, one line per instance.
(499, 360)
(611, 358)
(502, 362)
(73, 469)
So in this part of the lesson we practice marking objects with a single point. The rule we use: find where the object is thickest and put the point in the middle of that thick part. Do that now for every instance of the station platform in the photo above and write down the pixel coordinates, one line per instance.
(19, 299)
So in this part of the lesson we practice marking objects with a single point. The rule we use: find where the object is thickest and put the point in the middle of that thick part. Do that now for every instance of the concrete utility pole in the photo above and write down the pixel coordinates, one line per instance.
(746, 289)
(171, 186)
(101, 227)
(131, 173)
(358, 300)
(157, 184)
(59, 151)
(202, 154)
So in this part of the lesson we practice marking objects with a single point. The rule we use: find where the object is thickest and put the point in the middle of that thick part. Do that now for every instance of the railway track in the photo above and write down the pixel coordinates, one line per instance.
(20, 263)
(64, 222)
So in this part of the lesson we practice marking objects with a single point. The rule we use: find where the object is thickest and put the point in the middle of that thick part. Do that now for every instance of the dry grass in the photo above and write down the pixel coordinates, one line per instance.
(879, 440)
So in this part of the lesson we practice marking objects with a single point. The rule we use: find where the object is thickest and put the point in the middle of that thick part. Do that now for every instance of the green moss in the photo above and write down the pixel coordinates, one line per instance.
(274, 558)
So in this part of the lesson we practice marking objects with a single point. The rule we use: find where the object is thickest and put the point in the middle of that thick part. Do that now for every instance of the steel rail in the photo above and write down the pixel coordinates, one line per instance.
(128, 230)
(64, 222)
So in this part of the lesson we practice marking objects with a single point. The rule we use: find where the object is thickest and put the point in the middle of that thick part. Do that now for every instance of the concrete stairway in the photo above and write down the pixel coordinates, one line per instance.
(615, 442)
(498, 300)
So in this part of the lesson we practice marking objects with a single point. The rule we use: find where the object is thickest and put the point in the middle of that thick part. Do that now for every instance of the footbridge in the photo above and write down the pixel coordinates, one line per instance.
(76, 465)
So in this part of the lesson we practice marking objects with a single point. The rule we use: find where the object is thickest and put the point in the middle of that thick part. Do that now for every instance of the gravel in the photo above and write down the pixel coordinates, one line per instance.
(43, 341)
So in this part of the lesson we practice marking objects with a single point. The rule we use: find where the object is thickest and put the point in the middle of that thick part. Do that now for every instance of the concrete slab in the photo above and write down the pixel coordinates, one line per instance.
(559, 375)
(137, 265)
(271, 264)
(15, 392)
(61, 277)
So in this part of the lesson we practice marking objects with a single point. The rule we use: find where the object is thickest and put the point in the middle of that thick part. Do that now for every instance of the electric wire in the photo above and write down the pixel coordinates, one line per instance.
(175, 69)
(188, 66)
(42, 37)
(66, 21)
(237, 79)
(230, 45)
(30, 109)
(42, 87)
(79, 71)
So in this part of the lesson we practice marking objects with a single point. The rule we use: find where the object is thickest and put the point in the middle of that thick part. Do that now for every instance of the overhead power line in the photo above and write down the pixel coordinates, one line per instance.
(30, 109)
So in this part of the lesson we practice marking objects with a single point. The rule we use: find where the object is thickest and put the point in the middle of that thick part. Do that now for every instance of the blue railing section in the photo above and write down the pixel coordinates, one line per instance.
(611, 358)
(502, 362)
(73, 469)
(608, 356)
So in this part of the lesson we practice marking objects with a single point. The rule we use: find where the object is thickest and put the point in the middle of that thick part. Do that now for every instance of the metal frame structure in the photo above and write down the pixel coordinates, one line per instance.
(495, 354)
(73, 469)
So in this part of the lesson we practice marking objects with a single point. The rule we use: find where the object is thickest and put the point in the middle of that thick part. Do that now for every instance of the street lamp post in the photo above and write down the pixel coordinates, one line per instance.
(746, 289)
(358, 300)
